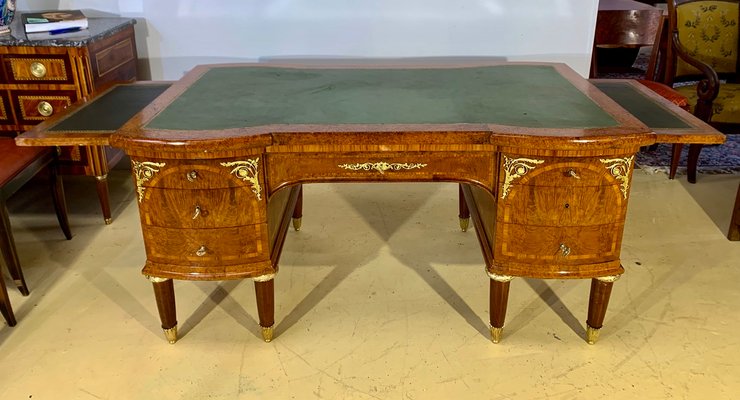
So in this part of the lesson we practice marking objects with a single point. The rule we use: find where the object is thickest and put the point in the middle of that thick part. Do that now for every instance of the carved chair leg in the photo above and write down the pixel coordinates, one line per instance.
(264, 288)
(164, 293)
(298, 210)
(675, 158)
(498, 299)
(5, 307)
(601, 289)
(7, 248)
(463, 207)
(60, 202)
(693, 161)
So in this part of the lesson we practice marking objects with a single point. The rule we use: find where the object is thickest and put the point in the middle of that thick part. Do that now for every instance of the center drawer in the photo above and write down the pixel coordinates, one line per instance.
(198, 174)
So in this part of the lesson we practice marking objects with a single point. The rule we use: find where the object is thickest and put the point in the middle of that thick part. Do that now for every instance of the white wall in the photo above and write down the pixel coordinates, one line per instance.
(175, 35)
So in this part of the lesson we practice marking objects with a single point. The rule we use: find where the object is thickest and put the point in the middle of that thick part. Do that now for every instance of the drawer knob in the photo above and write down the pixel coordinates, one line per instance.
(196, 214)
(565, 250)
(38, 69)
(44, 108)
(201, 251)
(192, 175)
(572, 173)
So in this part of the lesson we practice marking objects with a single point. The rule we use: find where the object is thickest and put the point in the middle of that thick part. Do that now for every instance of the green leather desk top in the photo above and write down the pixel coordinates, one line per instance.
(641, 106)
(535, 96)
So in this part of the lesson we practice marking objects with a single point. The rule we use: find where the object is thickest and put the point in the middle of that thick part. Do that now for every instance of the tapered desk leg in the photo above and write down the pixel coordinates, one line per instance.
(499, 297)
(463, 207)
(5, 307)
(298, 210)
(7, 248)
(734, 232)
(264, 287)
(601, 289)
(164, 293)
(98, 160)
(692, 161)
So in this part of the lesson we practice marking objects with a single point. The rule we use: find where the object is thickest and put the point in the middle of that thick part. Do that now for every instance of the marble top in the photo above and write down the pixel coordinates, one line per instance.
(98, 28)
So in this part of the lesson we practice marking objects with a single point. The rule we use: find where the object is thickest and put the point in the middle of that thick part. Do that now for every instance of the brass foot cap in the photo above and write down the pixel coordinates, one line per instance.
(297, 223)
(496, 334)
(171, 334)
(108, 221)
(592, 335)
(267, 333)
(464, 223)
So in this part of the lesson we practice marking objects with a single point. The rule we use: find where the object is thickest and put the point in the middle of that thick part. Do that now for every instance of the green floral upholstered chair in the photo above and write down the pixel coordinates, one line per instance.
(702, 63)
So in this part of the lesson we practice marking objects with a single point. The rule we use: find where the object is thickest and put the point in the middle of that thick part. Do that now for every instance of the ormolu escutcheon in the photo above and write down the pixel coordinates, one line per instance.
(171, 334)
(267, 333)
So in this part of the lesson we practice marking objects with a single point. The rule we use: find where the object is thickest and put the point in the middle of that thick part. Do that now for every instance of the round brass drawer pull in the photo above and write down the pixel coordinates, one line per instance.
(38, 69)
(192, 175)
(201, 251)
(44, 108)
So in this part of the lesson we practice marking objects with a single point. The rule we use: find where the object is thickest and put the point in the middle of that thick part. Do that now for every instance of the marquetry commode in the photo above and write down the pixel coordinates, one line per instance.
(220, 157)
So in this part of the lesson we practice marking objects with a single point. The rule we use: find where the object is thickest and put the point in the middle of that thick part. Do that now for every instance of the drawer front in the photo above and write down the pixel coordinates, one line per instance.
(562, 245)
(47, 68)
(206, 247)
(562, 206)
(33, 107)
(199, 174)
(382, 166)
(561, 172)
(6, 114)
(201, 208)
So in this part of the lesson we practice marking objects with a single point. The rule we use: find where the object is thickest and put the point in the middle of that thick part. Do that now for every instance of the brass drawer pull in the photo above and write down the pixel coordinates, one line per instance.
(38, 69)
(44, 108)
(565, 250)
(201, 251)
(571, 172)
(196, 214)
(192, 175)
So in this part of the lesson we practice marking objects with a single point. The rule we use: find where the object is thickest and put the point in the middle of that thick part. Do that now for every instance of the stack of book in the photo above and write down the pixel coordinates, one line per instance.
(54, 22)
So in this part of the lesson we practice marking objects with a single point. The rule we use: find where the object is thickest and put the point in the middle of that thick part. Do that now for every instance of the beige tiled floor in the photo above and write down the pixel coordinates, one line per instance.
(380, 296)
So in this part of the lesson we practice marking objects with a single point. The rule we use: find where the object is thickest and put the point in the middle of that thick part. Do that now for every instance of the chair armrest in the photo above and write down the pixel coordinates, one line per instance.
(708, 88)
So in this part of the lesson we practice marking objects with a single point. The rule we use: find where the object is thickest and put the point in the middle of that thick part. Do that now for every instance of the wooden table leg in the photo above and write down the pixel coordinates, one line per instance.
(498, 299)
(5, 307)
(298, 210)
(264, 287)
(463, 207)
(734, 232)
(7, 248)
(164, 293)
(601, 289)
(98, 167)
(60, 202)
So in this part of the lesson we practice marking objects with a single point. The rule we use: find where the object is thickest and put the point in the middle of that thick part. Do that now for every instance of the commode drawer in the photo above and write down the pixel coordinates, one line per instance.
(562, 172)
(200, 208)
(39, 68)
(33, 107)
(206, 247)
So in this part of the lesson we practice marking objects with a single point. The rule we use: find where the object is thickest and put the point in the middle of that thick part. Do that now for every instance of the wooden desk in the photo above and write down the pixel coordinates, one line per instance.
(219, 159)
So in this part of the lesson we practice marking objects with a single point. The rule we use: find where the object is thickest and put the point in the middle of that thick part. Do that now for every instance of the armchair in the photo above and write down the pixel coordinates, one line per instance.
(701, 63)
